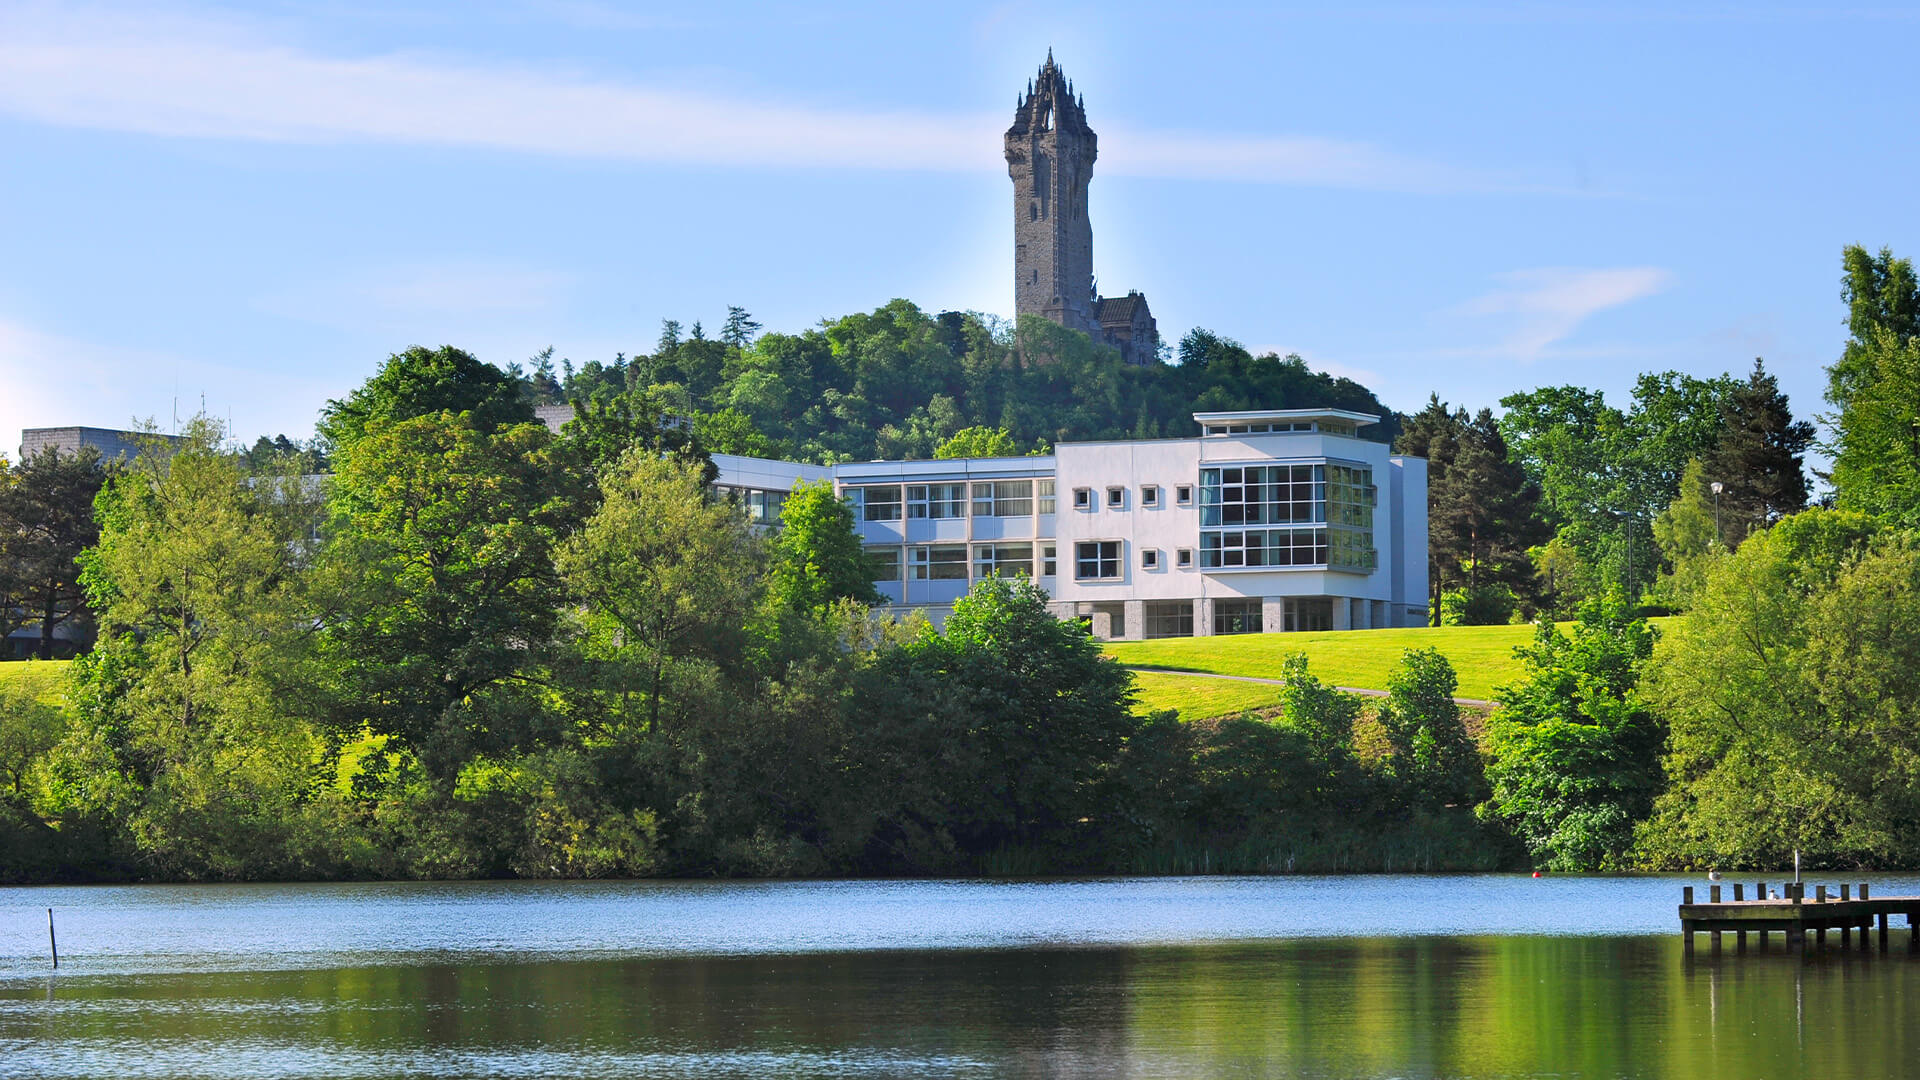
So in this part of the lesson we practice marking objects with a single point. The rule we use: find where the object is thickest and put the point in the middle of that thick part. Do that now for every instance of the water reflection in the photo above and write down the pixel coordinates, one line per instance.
(1373, 1007)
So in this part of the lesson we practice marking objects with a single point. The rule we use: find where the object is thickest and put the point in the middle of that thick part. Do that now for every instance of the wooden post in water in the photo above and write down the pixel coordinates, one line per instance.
(1686, 925)
(1713, 894)
(1846, 891)
(53, 946)
(1820, 932)
(1883, 932)
(1739, 936)
(1863, 891)
(1846, 932)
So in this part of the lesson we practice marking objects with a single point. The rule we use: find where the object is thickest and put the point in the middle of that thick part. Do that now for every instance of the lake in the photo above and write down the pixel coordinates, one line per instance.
(1471, 976)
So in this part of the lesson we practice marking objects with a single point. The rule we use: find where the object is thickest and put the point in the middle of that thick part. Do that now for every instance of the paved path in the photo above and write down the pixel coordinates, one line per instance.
(1361, 690)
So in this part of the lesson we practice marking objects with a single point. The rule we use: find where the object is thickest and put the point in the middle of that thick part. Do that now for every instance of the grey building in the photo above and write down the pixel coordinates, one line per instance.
(112, 443)
(1050, 153)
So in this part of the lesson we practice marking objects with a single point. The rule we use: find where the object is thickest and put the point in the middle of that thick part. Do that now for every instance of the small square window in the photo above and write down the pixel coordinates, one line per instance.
(1183, 557)
(1116, 498)
(1083, 498)
(1183, 494)
(1149, 559)
(1150, 495)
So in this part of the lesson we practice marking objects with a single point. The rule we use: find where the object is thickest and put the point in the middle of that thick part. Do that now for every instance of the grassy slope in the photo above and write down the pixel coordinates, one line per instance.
(51, 670)
(1481, 655)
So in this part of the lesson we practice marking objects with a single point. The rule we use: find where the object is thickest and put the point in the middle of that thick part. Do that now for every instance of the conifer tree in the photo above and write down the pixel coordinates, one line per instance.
(1757, 460)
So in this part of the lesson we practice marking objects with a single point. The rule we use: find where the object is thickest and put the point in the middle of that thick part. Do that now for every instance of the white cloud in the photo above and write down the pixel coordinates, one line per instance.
(53, 380)
(1543, 307)
(117, 71)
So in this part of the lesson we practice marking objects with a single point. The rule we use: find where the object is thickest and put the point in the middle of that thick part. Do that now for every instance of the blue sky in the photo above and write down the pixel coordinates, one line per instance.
(252, 205)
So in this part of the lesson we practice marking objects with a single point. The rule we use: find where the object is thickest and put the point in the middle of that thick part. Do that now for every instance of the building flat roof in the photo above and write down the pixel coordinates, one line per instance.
(1262, 415)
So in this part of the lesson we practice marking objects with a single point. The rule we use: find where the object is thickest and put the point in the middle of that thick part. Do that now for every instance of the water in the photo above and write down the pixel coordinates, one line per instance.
(1311, 977)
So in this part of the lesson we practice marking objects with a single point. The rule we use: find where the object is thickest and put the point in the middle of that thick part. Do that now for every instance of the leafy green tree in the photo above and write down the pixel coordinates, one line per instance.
(997, 733)
(732, 432)
(1875, 389)
(977, 442)
(46, 521)
(425, 382)
(1604, 474)
(1790, 691)
(1574, 751)
(441, 586)
(1686, 533)
(1323, 717)
(1434, 758)
(668, 577)
(604, 431)
(186, 735)
(818, 557)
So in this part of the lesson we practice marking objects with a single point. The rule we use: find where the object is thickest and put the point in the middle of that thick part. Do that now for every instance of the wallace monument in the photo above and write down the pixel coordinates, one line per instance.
(1050, 152)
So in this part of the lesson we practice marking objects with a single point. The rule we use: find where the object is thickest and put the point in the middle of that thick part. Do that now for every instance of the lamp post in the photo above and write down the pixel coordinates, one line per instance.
(1718, 487)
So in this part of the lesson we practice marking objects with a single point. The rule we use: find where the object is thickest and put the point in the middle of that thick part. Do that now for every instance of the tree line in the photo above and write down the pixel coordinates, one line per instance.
(481, 648)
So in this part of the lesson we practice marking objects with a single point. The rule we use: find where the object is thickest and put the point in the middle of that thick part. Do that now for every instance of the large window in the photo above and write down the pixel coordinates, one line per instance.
(762, 507)
(936, 500)
(1334, 502)
(886, 563)
(1003, 560)
(1236, 616)
(878, 503)
(1263, 495)
(1095, 559)
(1309, 614)
(1043, 491)
(1168, 618)
(1003, 498)
(937, 562)
(1263, 547)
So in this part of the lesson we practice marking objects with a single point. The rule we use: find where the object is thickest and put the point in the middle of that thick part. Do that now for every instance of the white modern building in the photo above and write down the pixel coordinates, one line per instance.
(1269, 521)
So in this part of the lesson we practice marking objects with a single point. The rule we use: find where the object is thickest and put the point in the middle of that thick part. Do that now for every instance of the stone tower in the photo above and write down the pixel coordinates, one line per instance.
(1050, 154)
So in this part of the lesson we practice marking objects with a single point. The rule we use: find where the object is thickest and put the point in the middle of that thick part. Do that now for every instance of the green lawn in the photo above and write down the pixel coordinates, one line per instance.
(50, 671)
(1482, 656)
(1198, 697)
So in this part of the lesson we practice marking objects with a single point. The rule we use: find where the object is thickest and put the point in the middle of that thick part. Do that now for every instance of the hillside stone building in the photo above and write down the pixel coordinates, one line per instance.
(1050, 155)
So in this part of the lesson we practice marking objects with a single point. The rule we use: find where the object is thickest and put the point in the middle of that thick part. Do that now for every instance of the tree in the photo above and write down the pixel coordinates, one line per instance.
(977, 442)
(186, 733)
(1685, 531)
(1789, 691)
(818, 557)
(669, 574)
(604, 431)
(424, 382)
(440, 581)
(1875, 389)
(1603, 473)
(46, 521)
(1757, 460)
(669, 336)
(739, 329)
(1481, 517)
(1434, 759)
(996, 734)
(1574, 751)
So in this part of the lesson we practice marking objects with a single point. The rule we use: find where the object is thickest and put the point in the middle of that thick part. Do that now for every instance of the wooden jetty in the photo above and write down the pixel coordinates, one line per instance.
(1794, 914)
